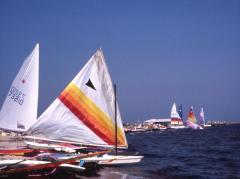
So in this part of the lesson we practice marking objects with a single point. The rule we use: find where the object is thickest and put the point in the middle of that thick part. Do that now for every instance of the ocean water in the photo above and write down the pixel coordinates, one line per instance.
(185, 153)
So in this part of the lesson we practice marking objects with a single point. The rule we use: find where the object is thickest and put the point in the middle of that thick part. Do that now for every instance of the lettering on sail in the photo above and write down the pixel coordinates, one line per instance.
(16, 95)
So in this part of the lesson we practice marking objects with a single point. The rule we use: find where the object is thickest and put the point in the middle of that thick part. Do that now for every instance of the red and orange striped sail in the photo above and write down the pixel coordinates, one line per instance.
(191, 116)
(84, 111)
(90, 114)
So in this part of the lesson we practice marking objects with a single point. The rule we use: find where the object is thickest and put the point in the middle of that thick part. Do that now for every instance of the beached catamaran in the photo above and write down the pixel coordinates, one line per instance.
(84, 114)
(192, 120)
(19, 110)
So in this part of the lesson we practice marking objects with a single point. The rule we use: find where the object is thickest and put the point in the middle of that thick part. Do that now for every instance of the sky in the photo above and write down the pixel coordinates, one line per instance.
(157, 51)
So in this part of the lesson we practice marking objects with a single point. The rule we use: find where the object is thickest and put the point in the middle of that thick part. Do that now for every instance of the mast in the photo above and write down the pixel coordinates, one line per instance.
(115, 116)
(87, 104)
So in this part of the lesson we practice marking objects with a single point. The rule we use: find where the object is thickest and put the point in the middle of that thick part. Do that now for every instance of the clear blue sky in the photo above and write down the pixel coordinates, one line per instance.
(157, 51)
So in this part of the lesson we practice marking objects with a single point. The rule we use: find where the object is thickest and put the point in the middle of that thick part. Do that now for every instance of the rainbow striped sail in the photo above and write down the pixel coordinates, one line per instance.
(191, 116)
(192, 120)
(84, 111)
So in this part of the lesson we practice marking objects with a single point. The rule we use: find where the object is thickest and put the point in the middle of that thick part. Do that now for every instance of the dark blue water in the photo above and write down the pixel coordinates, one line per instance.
(184, 153)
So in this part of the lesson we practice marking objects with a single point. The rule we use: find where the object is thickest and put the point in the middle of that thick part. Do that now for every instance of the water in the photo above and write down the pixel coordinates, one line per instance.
(186, 153)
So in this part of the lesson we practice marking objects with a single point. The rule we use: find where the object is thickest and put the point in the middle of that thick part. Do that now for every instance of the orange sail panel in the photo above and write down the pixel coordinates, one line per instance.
(90, 114)
(84, 112)
(191, 116)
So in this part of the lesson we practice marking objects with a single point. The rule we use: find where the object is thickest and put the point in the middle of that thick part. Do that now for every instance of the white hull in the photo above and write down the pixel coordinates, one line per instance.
(114, 160)
(138, 130)
(207, 125)
(178, 127)
(45, 146)
(5, 163)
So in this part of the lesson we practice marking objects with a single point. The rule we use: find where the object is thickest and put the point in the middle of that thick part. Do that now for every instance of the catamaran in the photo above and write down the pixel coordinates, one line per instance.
(19, 110)
(85, 113)
(176, 121)
(40, 165)
(192, 120)
(202, 117)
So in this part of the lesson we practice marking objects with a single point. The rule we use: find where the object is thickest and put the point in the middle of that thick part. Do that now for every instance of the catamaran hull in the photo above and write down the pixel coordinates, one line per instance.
(114, 160)
(207, 125)
(194, 125)
(28, 163)
(45, 146)
(178, 127)
(34, 145)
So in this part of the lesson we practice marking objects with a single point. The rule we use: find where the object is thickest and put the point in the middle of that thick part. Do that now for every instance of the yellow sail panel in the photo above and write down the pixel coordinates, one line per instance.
(90, 114)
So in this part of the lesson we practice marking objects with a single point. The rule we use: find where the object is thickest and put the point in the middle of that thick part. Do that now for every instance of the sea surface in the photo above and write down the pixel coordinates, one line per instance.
(181, 153)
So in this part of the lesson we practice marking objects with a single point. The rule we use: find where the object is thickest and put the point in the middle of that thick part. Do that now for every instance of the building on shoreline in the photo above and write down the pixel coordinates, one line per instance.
(165, 122)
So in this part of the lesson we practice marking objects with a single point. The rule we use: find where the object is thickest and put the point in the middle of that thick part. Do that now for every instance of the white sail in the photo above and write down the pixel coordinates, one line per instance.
(84, 112)
(19, 110)
(202, 116)
(174, 113)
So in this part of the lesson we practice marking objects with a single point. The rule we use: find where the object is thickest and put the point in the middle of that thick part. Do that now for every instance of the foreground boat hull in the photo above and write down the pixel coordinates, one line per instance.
(114, 160)
(46, 146)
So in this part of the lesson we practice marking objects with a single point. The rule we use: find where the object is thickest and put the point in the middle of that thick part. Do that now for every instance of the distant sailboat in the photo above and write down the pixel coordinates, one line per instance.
(19, 110)
(84, 113)
(192, 120)
(202, 117)
(176, 121)
(180, 111)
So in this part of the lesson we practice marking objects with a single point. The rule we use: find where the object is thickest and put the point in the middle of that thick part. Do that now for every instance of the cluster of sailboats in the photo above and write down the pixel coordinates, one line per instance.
(174, 122)
(191, 122)
(82, 125)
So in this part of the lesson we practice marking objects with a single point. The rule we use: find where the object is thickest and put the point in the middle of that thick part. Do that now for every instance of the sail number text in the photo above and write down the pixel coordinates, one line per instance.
(16, 95)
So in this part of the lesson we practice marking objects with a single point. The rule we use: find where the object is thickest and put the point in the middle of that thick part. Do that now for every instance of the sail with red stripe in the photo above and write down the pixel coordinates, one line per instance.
(84, 111)
(175, 118)
(191, 116)
(192, 120)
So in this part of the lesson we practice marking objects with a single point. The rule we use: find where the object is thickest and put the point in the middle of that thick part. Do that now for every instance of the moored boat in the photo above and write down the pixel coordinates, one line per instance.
(19, 110)
(85, 113)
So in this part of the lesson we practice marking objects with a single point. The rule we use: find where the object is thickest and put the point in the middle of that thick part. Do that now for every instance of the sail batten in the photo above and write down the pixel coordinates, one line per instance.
(84, 110)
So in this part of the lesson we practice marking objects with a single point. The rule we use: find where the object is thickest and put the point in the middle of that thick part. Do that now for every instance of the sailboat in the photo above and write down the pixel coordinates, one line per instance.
(202, 117)
(180, 111)
(19, 110)
(176, 121)
(84, 114)
(192, 120)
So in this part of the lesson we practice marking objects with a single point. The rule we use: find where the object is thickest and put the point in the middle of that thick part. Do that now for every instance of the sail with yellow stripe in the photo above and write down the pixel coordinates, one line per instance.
(192, 120)
(191, 116)
(84, 111)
